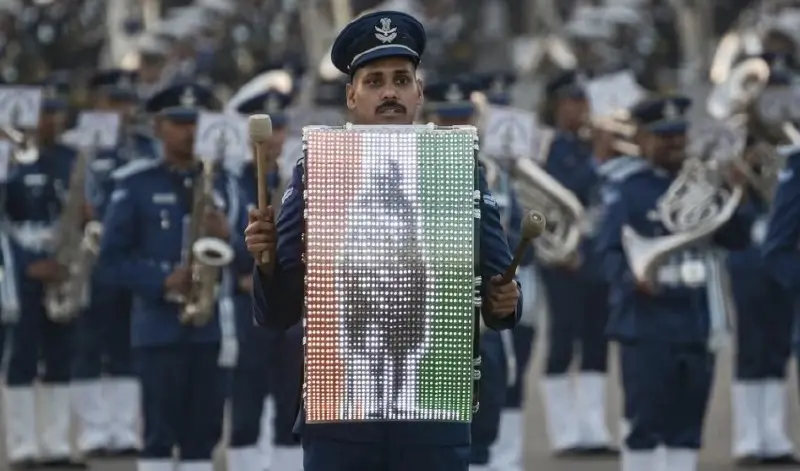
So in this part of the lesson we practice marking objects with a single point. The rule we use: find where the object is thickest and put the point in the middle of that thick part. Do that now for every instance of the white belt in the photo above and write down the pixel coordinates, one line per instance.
(690, 273)
(35, 237)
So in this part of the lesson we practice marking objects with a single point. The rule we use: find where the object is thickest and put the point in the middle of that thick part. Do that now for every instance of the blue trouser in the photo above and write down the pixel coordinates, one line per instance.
(102, 338)
(578, 312)
(35, 336)
(183, 397)
(524, 337)
(285, 382)
(667, 388)
(335, 455)
(486, 423)
(764, 328)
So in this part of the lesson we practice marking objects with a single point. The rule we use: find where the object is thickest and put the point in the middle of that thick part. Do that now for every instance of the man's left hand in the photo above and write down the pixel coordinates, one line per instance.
(502, 298)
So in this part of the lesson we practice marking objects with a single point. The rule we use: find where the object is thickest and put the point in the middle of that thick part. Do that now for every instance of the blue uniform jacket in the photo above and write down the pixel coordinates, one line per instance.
(571, 164)
(143, 244)
(279, 303)
(100, 182)
(677, 313)
(34, 197)
(780, 248)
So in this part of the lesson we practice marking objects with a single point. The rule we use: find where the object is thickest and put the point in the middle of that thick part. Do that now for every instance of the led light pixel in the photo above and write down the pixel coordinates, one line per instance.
(390, 282)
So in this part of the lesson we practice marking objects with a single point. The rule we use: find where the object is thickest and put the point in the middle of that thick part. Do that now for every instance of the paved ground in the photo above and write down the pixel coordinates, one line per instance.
(715, 457)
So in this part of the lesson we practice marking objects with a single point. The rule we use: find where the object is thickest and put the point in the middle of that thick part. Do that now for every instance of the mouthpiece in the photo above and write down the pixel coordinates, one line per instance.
(260, 127)
(533, 225)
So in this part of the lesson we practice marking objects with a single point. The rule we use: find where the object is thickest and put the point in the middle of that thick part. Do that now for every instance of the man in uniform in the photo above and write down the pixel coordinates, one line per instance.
(664, 326)
(577, 300)
(35, 196)
(448, 104)
(270, 361)
(179, 364)
(383, 89)
(107, 408)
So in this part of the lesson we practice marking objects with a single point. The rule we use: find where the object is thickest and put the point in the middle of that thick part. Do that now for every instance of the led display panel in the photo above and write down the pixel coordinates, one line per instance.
(390, 283)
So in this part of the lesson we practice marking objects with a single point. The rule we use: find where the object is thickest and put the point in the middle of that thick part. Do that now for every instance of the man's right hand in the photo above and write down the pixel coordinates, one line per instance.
(260, 236)
(179, 282)
(46, 271)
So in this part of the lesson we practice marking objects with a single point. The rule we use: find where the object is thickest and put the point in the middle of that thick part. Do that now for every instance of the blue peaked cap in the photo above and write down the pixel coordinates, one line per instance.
(181, 101)
(375, 36)
(451, 98)
(663, 115)
(497, 87)
(271, 102)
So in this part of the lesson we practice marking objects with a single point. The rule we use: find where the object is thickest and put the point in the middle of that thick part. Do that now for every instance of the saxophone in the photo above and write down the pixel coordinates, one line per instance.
(76, 246)
(206, 255)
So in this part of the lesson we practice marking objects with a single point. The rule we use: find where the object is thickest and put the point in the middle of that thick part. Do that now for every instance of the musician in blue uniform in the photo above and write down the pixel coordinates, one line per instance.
(148, 233)
(107, 407)
(448, 104)
(270, 360)
(36, 194)
(668, 327)
(506, 452)
(380, 52)
(779, 249)
(577, 298)
(765, 313)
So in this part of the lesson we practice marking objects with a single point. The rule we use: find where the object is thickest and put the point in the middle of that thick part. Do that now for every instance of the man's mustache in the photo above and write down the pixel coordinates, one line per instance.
(390, 106)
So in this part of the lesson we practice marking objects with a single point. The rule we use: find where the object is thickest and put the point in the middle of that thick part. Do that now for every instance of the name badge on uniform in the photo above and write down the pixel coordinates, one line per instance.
(693, 272)
(34, 179)
(165, 198)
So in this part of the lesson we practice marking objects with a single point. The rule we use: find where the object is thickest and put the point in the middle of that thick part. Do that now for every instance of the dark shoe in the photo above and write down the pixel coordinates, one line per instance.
(569, 452)
(62, 463)
(124, 453)
(748, 461)
(782, 460)
(594, 451)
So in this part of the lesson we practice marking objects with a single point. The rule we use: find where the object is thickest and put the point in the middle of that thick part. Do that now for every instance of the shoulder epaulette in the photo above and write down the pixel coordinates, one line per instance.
(622, 168)
(134, 167)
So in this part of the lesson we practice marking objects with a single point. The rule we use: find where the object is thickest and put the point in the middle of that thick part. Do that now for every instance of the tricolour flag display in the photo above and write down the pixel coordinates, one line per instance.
(390, 284)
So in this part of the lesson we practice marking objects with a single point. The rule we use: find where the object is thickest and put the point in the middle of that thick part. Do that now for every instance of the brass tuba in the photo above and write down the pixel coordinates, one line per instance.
(535, 188)
(206, 255)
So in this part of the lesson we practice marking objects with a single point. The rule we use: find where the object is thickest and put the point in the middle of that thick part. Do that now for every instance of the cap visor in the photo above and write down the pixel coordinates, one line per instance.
(669, 127)
(181, 115)
(381, 52)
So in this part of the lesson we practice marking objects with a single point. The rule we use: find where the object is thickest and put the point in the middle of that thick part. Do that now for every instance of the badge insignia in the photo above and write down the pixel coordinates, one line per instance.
(454, 94)
(670, 111)
(385, 33)
(188, 99)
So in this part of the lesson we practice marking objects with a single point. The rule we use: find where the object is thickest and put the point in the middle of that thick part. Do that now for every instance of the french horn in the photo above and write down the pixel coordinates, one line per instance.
(535, 188)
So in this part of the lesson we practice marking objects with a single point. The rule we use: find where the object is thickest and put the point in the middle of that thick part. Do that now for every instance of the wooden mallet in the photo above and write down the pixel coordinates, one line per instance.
(533, 225)
(260, 127)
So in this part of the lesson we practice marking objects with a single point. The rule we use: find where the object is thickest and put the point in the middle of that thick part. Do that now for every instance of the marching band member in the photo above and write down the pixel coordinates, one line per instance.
(270, 362)
(577, 301)
(765, 313)
(383, 89)
(663, 330)
(179, 362)
(36, 195)
(506, 452)
(448, 104)
(107, 408)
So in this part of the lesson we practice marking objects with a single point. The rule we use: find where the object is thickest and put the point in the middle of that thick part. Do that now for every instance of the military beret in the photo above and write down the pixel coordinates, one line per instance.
(567, 84)
(118, 83)
(451, 97)
(181, 101)
(377, 35)
(271, 102)
(663, 115)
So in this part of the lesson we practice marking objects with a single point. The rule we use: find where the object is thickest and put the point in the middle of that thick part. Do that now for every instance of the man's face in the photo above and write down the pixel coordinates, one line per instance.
(126, 108)
(177, 136)
(385, 91)
(667, 151)
(51, 124)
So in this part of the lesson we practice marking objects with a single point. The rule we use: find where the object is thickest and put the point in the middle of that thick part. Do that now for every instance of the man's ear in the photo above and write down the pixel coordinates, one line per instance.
(420, 92)
(351, 96)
